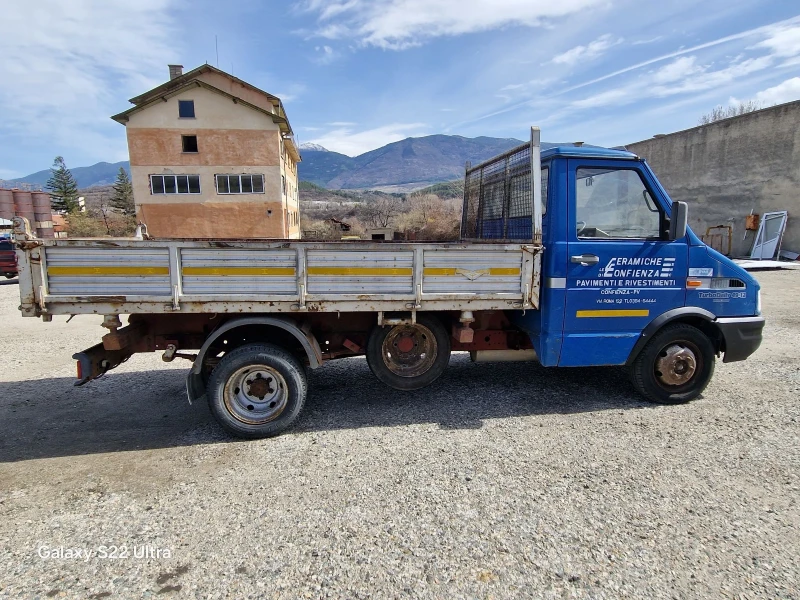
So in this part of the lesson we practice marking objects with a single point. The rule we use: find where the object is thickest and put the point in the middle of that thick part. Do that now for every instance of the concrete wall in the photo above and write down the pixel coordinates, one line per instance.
(728, 168)
(232, 139)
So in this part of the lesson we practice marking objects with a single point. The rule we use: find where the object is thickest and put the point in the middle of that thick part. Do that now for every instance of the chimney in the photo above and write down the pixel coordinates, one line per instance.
(175, 71)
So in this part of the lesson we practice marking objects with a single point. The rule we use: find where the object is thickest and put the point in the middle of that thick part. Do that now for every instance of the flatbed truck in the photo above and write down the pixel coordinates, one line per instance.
(574, 257)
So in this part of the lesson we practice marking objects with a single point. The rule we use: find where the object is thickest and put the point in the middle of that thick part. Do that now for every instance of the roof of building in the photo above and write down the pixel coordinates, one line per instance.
(190, 79)
(191, 75)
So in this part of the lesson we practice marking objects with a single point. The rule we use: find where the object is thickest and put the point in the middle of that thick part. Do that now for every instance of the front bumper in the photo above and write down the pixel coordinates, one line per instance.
(742, 336)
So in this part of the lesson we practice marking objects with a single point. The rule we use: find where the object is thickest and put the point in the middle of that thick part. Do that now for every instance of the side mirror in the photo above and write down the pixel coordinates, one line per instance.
(678, 220)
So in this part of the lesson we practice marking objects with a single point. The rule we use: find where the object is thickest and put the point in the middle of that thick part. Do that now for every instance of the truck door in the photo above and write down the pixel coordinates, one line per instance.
(622, 270)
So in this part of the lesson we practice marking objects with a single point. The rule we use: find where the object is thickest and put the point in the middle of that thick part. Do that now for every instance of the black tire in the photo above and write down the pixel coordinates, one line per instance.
(675, 366)
(419, 366)
(234, 391)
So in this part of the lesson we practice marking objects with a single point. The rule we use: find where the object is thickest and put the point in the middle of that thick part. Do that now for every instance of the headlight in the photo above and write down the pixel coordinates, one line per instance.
(758, 303)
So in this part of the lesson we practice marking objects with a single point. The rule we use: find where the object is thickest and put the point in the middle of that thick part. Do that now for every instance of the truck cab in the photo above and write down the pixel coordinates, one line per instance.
(618, 270)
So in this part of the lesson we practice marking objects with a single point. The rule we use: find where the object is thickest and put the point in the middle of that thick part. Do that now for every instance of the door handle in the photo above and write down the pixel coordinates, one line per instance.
(585, 259)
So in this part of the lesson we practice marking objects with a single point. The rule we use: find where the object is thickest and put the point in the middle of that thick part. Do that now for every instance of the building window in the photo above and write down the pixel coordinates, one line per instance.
(283, 184)
(186, 109)
(189, 143)
(240, 184)
(174, 184)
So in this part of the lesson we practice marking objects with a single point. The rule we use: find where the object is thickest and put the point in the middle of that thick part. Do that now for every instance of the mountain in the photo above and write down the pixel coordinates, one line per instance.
(102, 173)
(409, 163)
(404, 166)
(321, 166)
(313, 147)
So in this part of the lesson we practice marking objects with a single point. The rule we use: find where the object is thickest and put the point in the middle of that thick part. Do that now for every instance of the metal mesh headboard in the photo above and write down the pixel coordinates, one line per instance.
(498, 204)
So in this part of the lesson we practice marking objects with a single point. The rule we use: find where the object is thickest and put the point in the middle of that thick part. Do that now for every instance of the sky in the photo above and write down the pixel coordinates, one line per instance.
(357, 74)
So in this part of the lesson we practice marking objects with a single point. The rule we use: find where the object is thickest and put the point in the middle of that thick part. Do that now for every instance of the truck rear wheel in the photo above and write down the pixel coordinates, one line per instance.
(675, 366)
(409, 356)
(257, 390)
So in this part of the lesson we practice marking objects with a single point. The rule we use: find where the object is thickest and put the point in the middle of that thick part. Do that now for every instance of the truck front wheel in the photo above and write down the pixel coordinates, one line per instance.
(257, 390)
(675, 366)
(409, 356)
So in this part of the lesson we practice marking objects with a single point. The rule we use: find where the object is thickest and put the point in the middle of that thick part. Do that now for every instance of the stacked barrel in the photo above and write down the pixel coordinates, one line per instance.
(7, 205)
(43, 214)
(34, 206)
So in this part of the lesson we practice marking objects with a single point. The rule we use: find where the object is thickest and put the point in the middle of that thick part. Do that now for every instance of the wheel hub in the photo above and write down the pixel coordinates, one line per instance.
(260, 386)
(676, 365)
(256, 394)
(405, 344)
(409, 350)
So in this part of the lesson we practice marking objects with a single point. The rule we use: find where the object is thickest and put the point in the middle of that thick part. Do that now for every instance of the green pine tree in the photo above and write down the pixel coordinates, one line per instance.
(62, 187)
(122, 199)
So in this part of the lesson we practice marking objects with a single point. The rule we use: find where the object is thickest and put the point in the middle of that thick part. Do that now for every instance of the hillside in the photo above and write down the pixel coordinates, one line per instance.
(102, 173)
(404, 166)
(412, 162)
(321, 166)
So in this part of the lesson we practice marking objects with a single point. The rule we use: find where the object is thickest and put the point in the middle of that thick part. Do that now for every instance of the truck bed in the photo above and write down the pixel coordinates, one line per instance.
(128, 276)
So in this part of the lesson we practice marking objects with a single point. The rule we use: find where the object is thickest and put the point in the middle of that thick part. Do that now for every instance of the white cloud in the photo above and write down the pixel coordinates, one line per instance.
(399, 24)
(783, 42)
(347, 141)
(677, 70)
(325, 55)
(584, 53)
(651, 40)
(758, 31)
(682, 76)
(787, 91)
(626, 93)
(68, 66)
(706, 79)
(289, 92)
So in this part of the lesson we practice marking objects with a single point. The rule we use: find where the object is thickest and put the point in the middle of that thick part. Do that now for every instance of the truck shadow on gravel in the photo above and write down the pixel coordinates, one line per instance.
(127, 411)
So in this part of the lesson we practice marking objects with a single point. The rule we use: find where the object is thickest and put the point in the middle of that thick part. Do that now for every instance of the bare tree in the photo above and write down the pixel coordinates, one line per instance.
(381, 211)
(425, 205)
(104, 208)
(734, 110)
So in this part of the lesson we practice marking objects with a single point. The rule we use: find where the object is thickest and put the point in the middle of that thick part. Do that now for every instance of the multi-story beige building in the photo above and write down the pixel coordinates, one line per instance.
(212, 157)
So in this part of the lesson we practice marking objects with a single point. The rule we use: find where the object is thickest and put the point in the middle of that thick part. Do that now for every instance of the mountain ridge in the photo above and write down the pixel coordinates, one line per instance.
(102, 173)
(419, 161)
(405, 165)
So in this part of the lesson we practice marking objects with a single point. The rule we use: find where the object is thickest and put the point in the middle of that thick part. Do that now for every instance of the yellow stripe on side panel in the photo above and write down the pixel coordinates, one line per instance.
(238, 271)
(434, 271)
(612, 313)
(109, 271)
(359, 271)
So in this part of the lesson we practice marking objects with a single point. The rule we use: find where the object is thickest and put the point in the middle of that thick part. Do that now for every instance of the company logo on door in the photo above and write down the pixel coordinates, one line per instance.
(639, 267)
(634, 272)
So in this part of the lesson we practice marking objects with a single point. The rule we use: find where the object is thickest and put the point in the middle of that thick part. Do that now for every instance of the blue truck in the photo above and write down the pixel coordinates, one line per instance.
(574, 257)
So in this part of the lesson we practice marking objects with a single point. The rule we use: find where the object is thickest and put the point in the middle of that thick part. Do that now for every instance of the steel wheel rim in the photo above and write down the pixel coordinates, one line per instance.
(677, 365)
(256, 394)
(409, 350)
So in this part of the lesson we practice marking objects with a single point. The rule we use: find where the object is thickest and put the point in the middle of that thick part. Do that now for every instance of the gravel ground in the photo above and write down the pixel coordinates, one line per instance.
(501, 480)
